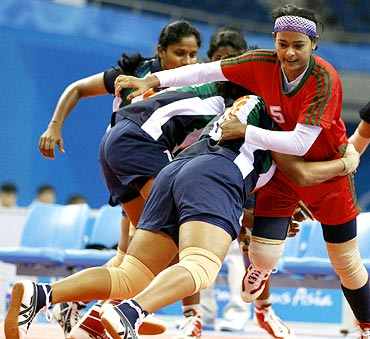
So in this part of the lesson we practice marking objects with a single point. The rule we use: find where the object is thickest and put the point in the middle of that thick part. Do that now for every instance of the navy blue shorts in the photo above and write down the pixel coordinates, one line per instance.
(129, 157)
(207, 188)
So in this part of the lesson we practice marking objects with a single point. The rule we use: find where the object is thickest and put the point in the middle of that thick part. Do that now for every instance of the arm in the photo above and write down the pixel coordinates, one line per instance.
(296, 142)
(90, 86)
(361, 138)
(306, 173)
(181, 76)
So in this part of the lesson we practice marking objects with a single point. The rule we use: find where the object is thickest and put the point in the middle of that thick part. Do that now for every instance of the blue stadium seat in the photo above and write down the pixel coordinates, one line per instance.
(314, 260)
(47, 231)
(105, 232)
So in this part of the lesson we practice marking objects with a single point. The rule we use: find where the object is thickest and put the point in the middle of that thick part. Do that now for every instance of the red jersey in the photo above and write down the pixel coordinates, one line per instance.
(317, 100)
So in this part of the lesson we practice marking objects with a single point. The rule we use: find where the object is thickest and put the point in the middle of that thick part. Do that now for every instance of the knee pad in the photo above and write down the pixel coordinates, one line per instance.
(128, 279)
(346, 260)
(202, 264)
(265, 253)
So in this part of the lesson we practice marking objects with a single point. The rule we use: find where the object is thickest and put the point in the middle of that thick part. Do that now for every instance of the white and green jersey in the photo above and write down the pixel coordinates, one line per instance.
(252, 161)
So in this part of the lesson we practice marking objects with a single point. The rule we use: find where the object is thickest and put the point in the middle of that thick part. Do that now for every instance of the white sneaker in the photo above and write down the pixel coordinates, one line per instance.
(113, 318)
(191, 326)
(26, 302)
(271, 323)
(234, 319)
(67, 315)
(253, 283)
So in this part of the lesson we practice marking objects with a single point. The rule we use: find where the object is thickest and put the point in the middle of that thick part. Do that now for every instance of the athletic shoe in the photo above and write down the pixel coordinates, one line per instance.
(67, 315)
(253, 283)
(122, 321)
(89, 326)
(191, 326)
(271, 323)
(26, 302)
(234, 319)
(365, 331)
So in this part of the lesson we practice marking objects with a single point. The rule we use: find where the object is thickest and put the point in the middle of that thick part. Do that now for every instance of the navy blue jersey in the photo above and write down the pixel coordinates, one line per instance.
(145, 67)
(170, 116)
(251, 160)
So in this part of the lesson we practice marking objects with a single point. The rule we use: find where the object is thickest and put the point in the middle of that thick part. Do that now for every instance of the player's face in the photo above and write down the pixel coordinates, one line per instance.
(224, 52)
(179, 54)
(294, 50)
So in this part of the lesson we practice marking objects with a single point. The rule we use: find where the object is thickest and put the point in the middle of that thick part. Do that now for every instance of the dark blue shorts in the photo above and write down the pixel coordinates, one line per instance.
(129, 157)
(207, 188)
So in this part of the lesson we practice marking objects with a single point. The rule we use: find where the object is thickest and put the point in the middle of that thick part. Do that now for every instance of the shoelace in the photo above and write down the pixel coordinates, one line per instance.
(254, 276)
(48, 312)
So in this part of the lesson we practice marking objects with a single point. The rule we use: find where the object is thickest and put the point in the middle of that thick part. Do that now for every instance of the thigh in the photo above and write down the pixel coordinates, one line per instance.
(277, 198)
(332, 202)
(154, 249)
(134, 209)
(204, 235)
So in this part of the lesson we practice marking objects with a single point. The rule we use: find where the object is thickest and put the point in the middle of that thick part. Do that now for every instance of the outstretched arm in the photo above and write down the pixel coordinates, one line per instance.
(306, 173)
(90, 86)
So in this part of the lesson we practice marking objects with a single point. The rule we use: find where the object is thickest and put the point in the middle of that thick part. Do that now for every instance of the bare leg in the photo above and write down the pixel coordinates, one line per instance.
(175, 283)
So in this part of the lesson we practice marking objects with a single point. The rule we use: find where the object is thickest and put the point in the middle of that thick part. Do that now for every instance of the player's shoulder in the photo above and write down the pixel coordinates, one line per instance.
(256, 55)
(324, 68)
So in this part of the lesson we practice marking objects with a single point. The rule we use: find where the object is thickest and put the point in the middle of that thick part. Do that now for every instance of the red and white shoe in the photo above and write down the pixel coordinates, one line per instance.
(271, 323)
(365, 330)
(90, 326)
(253, 283)
(191, 326)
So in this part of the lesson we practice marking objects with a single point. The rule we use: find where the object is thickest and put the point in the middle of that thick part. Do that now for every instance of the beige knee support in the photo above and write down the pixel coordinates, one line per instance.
(346, 260)
(202, 264)
(130, 278)
(265, 253)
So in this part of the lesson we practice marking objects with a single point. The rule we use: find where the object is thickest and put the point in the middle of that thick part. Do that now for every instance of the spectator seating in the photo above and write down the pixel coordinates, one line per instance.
(104, 236)
(49, 229)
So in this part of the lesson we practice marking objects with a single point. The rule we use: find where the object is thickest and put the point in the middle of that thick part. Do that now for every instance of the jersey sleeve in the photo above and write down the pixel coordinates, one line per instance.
(238, 70)
(109, 77)
(323, 102)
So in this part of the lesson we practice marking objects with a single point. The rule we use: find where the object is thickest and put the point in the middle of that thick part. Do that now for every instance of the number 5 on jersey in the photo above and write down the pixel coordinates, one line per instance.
(277, 114)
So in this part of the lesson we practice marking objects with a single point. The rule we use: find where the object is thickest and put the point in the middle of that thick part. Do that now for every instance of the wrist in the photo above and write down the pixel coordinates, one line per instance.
(55, 123)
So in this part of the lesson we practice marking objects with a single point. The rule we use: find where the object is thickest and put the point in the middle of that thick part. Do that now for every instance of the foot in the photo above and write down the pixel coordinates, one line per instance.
(26, 302)
(122, 321)
(234, 319)
(365, 330)
(67, 315)
(89, 326)
(253, 283)
(191, 326)
(271, 323)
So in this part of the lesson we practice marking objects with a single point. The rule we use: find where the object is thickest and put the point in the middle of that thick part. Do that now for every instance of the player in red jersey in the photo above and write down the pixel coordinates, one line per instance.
(303, 93)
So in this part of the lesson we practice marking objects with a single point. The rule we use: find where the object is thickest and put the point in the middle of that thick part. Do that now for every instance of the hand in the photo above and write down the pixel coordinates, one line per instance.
(300, 214)
(350, 159)
(125, 81)
(116, 260)
(232, 129)
(51, 137)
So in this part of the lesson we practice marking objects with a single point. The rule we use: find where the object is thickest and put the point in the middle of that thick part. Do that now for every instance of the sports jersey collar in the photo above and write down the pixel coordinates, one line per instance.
(295, 85)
